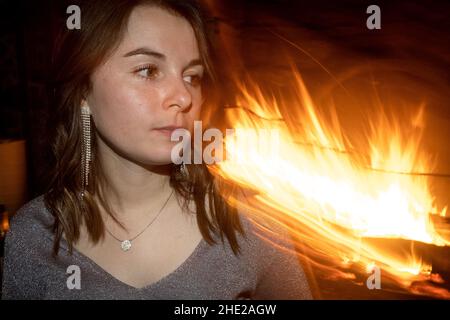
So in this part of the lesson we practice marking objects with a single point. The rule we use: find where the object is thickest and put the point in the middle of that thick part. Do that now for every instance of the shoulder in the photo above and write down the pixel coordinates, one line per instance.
(33, 212)
(263, 242)
(265, 231)
(28, 244)
(273, 253)
(32, 220)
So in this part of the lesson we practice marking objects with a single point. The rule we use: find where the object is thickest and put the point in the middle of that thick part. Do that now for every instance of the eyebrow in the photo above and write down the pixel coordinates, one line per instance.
(158, 55)
(147, 52)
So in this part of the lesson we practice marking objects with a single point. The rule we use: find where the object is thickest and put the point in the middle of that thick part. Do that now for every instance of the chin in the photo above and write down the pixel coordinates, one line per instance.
(154, 152)
(153, 161)
(158, 156)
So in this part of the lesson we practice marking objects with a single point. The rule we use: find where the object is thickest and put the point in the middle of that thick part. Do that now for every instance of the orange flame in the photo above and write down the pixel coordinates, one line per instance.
(306, 175)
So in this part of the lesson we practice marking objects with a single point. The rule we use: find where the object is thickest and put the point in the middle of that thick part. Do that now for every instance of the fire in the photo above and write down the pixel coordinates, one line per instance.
(336, 194)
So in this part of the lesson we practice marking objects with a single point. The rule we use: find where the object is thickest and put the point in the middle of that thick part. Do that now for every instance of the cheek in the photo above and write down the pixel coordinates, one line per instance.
(122, 110)
(124, 116)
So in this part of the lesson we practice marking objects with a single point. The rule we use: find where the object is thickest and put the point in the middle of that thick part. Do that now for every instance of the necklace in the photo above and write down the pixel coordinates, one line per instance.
(125, 245)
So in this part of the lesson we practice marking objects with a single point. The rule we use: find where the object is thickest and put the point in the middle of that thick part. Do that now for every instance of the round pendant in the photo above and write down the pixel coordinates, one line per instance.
(125, 245)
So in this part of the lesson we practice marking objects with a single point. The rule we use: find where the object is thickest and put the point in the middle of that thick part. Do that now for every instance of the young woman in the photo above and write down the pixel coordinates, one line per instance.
(120, 220)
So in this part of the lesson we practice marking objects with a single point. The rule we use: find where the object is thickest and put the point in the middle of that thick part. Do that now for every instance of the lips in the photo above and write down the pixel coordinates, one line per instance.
(167, 130)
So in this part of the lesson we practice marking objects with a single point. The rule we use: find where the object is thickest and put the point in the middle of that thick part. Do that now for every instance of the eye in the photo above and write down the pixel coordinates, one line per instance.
(147, 71)
(194, 80)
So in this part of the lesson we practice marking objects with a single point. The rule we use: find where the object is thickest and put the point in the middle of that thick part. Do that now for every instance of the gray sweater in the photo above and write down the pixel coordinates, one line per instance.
(210, 272)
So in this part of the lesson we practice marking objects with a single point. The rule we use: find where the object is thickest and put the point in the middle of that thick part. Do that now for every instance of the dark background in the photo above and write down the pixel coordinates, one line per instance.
(409, 58)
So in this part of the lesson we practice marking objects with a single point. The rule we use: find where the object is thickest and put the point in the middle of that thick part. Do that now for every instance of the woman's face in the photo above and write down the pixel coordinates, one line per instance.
(151, 81)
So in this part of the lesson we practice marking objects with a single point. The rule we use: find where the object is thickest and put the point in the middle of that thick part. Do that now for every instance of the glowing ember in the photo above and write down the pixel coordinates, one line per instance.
(305, 174)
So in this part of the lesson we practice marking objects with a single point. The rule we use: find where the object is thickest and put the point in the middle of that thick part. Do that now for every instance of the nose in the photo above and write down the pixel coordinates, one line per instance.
(178, 96)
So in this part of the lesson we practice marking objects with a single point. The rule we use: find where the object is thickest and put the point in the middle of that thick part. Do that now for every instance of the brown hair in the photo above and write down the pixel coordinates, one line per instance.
(77, 53)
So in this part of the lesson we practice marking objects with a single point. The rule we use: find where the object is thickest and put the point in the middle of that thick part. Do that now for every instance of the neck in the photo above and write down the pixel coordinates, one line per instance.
(132, 189)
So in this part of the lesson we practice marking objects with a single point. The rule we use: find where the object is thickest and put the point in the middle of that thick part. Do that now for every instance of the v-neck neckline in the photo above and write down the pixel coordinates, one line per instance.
(202, 244)
(99, 270)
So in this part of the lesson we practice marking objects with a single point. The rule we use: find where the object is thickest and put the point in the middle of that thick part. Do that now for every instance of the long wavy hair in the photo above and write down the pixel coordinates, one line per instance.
(77, 53)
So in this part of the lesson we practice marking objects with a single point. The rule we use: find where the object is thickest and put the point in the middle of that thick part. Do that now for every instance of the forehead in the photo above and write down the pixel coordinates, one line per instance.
(160, 30)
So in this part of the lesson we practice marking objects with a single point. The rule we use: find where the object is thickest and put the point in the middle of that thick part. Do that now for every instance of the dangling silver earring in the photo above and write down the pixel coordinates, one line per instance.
(86, 147)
